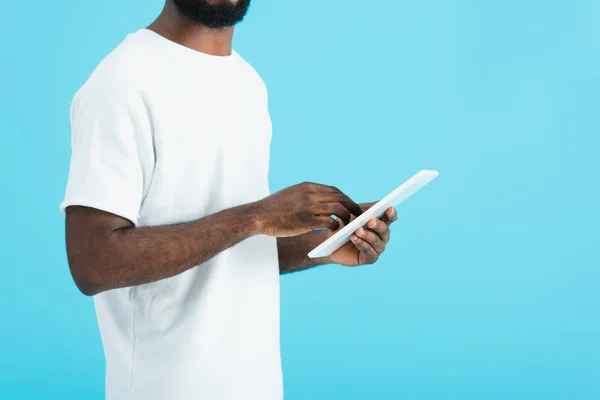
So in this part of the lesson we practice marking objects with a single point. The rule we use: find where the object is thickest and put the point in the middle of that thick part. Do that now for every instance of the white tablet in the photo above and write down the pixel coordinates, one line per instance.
(393, 199)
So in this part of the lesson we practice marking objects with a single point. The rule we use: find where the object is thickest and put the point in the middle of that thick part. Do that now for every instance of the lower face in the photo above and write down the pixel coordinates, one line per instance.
(214, 13)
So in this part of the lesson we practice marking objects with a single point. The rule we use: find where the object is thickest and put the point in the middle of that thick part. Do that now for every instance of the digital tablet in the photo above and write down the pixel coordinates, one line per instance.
(393, 199)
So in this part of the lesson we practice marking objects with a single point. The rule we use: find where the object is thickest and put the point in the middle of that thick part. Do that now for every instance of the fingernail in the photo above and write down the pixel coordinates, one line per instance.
(360, 232)
(373, 224)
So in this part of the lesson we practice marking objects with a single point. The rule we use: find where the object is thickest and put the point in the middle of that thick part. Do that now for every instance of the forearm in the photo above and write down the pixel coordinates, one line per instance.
(135, 256)
(293, 251)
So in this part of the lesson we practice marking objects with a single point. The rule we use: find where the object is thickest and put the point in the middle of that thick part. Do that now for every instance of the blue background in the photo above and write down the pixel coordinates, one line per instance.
(490, 288)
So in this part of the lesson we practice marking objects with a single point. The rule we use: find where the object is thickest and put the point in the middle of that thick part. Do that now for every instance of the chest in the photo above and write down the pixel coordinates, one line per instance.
(223, 114)
(212, 143)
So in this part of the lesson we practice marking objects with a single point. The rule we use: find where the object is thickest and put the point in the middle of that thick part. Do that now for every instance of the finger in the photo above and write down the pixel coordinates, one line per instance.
(334, 209)
(350, 204)
(372, 238)
(341, 198)
(391, 215)
(342, 223)
(326, 222)
(380, 228)
(319, 188)
(368, 255)
(366, 206)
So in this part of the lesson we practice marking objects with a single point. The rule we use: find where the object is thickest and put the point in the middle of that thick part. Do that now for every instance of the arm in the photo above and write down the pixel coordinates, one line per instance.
(106, 251)
(112, 164)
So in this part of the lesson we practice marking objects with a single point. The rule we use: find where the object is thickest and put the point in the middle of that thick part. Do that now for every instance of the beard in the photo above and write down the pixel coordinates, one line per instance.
(221, 14)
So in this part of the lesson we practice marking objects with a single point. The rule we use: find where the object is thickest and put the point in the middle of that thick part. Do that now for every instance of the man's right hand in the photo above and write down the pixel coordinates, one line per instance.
(303, 208)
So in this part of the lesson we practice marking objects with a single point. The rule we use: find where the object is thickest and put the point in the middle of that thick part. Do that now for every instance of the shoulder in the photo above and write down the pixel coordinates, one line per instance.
(253, 76)
(128, 70)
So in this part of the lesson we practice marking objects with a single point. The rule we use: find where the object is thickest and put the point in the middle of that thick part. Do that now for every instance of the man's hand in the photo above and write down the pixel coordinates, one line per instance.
(303, 208)
(366, 244)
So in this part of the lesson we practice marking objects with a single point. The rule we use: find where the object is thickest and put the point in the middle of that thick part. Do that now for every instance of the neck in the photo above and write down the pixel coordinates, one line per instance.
(179, 29)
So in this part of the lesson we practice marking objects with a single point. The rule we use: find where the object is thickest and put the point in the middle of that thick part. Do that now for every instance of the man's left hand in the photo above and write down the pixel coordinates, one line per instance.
(368, 243)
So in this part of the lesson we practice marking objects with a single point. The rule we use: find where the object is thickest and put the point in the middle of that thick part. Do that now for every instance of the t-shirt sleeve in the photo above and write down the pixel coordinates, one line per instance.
(112, 152)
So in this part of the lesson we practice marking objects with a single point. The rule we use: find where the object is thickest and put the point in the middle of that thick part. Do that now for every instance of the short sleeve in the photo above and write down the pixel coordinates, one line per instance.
(112, 152)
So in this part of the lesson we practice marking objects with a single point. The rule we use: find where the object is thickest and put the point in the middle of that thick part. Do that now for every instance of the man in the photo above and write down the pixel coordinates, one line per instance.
(169, 221)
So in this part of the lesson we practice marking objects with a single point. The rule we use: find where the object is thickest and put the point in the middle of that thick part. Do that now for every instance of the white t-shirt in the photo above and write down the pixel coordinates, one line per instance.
(163, 134)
